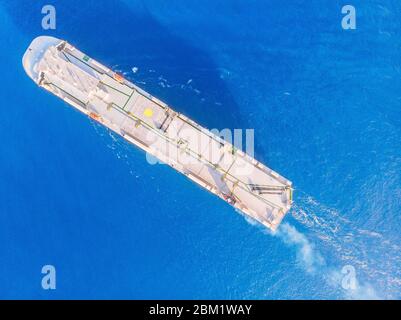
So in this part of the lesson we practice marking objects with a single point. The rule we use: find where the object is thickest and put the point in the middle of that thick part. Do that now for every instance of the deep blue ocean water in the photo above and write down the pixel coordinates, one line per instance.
(324, 104)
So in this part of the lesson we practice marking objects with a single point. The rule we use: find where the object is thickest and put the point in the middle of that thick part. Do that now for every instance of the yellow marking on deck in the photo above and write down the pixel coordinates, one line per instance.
(148, 112)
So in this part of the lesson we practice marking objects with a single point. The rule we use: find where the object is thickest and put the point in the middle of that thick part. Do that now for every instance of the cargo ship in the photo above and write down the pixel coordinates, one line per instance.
(205, 158)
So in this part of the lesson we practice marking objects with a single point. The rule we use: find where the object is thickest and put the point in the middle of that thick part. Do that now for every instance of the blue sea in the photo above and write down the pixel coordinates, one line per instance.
(325, 106)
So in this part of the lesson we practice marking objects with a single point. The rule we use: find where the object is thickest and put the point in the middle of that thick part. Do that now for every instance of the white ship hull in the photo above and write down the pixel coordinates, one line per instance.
(150, 124)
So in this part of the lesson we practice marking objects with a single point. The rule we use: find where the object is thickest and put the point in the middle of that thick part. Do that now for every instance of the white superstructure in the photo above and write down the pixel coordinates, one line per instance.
(150, 124)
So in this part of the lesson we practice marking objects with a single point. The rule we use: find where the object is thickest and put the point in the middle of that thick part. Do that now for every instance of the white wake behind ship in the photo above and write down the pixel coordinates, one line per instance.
(205, 158)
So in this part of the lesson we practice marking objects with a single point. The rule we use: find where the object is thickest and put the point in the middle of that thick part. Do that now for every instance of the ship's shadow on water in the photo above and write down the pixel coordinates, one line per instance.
(121, 36)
